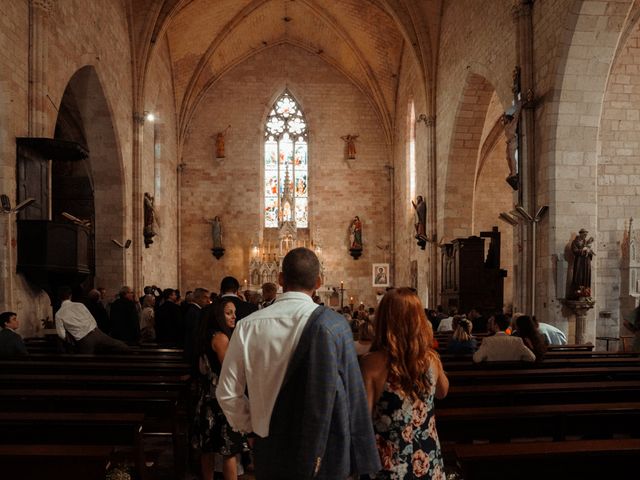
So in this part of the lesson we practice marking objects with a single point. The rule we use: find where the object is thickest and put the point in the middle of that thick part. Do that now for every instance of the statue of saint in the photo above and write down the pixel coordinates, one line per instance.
(355, 233)
(149, 219)
(351, 145)
(582, 250)
(216, 231)
(420, 207)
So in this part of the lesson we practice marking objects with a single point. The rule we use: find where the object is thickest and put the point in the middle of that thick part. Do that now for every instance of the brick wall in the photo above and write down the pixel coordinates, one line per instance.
(232, 188)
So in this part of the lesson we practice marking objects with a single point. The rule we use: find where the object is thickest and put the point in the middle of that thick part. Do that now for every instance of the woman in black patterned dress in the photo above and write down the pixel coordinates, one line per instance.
(211, 432)
(402, 375)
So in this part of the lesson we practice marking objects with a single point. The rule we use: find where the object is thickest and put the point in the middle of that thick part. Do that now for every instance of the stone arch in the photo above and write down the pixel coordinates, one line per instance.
(618, 178)
(462, 162)
(93, 125)
(566, 151)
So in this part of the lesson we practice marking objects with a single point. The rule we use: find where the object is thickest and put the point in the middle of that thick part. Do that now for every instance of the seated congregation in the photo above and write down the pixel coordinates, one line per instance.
(280, 387)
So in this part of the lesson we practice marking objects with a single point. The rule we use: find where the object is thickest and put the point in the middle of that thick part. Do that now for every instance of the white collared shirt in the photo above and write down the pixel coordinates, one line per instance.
(75, 318)
(258, 356)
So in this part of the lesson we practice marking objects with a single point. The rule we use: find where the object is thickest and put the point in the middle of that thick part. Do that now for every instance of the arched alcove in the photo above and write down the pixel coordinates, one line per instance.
(85, 117)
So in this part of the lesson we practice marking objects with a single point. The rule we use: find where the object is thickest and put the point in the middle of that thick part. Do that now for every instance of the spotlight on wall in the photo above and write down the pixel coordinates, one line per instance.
(507, 217)
(149, 116)
(76, 220)
(126, 245)
(6, 204)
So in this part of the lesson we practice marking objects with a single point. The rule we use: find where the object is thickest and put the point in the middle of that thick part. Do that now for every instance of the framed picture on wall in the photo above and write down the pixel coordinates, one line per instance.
(380, 275)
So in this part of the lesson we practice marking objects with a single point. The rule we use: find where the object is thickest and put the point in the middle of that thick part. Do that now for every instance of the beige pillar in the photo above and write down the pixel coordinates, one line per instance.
(432, 217)
(39, 14)
(522, 15)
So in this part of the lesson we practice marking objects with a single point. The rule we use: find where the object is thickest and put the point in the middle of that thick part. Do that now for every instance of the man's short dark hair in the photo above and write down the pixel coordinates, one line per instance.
(300, 269)
(64, 292)
(167, 292)
(5, 317)
(501, 321)
(229, 285)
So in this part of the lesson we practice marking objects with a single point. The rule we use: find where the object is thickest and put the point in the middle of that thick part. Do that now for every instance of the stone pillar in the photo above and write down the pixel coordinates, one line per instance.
(39, 14)
(522, 15)
(581, 309)
(432, 217)
(137, 203)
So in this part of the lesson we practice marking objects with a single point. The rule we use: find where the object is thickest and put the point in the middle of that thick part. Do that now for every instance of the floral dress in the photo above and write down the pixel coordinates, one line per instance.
(210, 430)
(406, 436)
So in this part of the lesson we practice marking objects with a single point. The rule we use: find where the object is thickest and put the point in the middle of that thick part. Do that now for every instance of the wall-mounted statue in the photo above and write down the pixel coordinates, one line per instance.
(420, 207)
(220, 142)
(511, 123)
(582, 249)
(149, 219)
(350, 141)
(355, 237)
(216, 236)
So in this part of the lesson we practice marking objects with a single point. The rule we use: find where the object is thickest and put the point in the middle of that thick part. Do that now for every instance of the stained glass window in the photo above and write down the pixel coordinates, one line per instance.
(286, 172)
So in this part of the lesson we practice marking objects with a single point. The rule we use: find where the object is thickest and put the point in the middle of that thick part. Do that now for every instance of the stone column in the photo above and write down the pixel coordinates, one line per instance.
(581, 309)
(39, 14)
(432, 217)
(522, 15)
(137, 202)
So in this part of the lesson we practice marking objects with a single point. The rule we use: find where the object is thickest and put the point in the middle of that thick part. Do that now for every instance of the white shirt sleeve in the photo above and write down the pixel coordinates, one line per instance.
(231, 387)
(62, 333)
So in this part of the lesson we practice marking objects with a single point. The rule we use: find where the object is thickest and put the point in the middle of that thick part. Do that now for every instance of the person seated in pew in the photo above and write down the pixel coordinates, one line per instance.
(75, 320)
(500, 346)
(526, 329)
(552, 335)
(365, 337)
(446, 324)
(11, 343)
(462, 342)
(632, 322)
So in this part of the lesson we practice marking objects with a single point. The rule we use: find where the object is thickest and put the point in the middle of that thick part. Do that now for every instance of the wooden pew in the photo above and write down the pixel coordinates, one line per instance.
(583, 459)
(556, 421)
(57, 462)
(531, 374)
(54, 429)
(541, 393)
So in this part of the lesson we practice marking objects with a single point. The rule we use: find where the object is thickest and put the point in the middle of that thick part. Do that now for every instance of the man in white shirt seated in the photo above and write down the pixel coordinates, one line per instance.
(502, 347)
(75, 320)
(552, 335)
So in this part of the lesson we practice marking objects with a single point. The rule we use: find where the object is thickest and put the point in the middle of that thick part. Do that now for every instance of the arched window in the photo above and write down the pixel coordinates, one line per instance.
(286, 168)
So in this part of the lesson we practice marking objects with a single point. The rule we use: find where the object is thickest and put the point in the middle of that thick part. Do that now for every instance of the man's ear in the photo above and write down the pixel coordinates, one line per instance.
(281, 279)
(318, 282)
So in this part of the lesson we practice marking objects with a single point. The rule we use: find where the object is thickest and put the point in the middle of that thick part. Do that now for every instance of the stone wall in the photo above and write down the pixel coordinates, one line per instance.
(233, 187)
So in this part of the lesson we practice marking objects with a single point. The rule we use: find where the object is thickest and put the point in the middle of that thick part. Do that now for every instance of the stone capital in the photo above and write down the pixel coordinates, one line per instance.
(44, 6)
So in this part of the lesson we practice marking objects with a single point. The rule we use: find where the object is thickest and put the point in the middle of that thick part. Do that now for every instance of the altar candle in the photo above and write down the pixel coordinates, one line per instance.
(341, 285)
(245, 284)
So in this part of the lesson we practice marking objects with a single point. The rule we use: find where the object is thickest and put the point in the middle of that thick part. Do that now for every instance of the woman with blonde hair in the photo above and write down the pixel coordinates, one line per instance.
(462, 341)
(402, 375)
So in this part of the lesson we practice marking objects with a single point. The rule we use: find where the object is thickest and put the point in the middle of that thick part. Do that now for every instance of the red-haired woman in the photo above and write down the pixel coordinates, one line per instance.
(402, 375)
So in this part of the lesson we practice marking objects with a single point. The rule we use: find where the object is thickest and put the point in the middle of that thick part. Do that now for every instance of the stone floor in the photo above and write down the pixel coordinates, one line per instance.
(160, 461)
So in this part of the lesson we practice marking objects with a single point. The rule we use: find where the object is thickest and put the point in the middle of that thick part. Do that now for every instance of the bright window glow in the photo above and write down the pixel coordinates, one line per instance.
(411, 150)
(286, 172)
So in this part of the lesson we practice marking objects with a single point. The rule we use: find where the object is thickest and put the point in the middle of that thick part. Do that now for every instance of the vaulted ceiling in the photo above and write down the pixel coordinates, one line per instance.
(364, 39)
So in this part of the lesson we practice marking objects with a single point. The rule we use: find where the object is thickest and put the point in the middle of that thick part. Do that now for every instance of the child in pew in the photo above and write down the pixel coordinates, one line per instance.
(462, 342)
(525, 328)
(11, 343)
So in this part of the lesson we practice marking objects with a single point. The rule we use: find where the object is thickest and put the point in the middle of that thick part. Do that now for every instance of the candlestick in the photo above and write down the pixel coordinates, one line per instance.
(245, 283)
